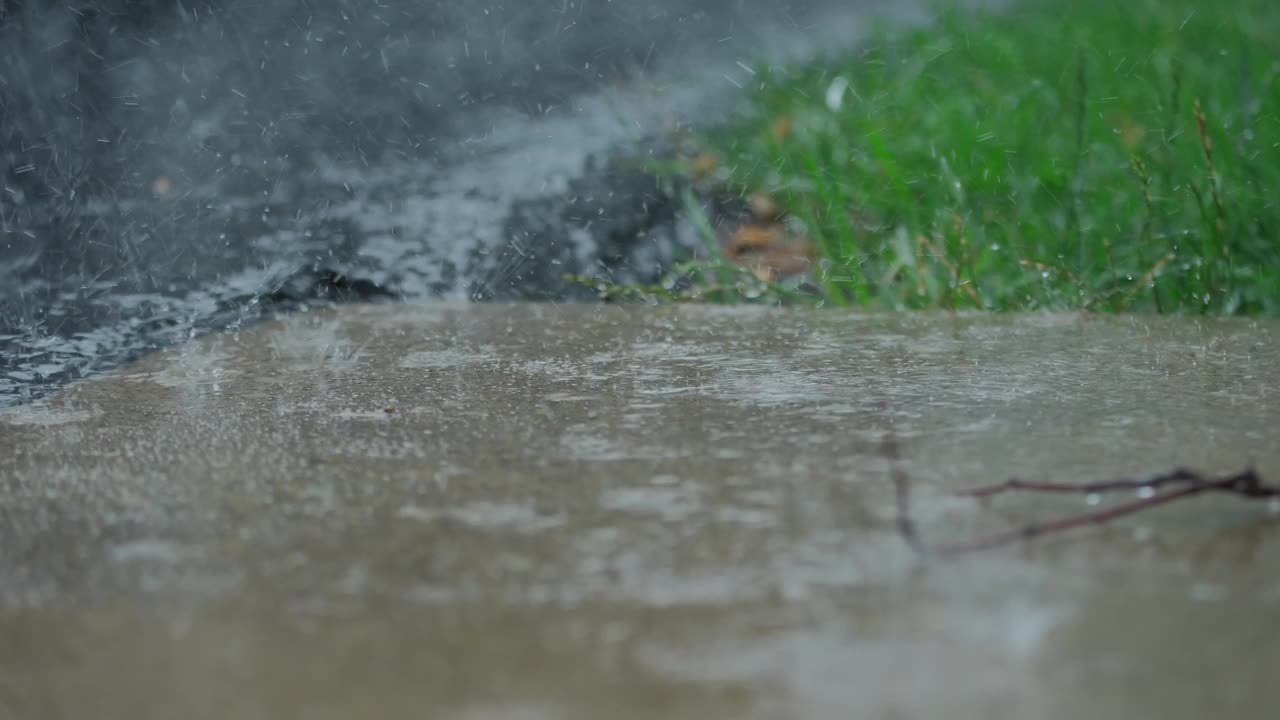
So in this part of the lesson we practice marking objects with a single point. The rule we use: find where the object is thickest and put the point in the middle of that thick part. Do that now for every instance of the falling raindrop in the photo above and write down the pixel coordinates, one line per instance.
(835, 93)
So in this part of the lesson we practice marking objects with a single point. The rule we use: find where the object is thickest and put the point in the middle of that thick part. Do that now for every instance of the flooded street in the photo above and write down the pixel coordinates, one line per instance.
(538, 511)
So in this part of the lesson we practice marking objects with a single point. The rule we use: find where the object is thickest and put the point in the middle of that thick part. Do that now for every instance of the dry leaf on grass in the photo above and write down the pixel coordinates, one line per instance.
(769, 251)
(704, 165)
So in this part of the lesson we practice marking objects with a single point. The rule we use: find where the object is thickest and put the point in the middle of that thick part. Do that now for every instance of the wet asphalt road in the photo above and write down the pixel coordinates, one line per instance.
(181, 167)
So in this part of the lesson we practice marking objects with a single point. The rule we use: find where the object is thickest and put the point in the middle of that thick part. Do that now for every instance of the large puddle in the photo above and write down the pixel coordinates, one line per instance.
(535, 511)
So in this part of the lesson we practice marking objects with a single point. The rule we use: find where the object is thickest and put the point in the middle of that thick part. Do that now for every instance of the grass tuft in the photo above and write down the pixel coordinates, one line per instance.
(1092, 155)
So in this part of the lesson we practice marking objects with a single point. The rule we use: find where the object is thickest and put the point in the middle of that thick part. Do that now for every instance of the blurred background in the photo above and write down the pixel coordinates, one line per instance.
(176, 166)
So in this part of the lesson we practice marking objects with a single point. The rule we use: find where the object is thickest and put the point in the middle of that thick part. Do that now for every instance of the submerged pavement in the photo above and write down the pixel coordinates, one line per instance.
(541, 511)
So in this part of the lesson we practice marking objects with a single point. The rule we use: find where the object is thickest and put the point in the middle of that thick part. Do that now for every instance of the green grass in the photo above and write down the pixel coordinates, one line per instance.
(1094, 154)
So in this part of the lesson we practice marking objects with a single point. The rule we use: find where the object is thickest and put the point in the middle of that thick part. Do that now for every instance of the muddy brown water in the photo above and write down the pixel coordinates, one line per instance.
(537, 511)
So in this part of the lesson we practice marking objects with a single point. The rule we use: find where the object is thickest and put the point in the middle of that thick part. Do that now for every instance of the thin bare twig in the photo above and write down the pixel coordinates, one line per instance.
(902, 494)
(1246, 483)
(1180, 475)
(1185, 483)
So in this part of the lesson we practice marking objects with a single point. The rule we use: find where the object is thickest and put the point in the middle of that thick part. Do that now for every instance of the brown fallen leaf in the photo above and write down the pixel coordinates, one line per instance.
(752, 238)
(764, 208)
(704, 165)
(782, 128)
(768, 251)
